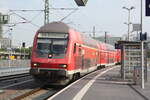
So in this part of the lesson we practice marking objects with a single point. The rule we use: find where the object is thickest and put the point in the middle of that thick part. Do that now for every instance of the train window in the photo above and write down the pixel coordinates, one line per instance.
(42, 49)
(75, 47)
(59, 46)
(55, 47)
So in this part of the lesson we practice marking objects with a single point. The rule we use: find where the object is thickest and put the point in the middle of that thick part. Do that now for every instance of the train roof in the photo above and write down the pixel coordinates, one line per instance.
(87, 40)
(55, 27)
(64, 28)
(110, 47)
(105, 46)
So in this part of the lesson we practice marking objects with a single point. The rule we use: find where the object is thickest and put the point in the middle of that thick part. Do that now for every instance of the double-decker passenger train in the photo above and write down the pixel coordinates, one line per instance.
(61, 54)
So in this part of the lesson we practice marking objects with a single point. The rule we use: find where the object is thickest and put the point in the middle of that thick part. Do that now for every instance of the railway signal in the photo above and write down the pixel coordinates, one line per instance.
(143, 37)
(23, 44)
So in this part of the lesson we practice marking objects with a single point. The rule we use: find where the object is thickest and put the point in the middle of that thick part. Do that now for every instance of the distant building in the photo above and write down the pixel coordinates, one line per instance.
(5, 43)
(4, 19)
(110, 40)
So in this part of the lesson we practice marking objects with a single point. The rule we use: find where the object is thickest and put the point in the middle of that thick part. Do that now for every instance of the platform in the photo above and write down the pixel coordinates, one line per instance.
(102, 85)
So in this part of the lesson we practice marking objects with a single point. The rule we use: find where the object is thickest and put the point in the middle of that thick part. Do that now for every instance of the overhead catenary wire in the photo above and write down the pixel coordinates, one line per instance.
(68, 15)
(39, 10)
(26, 20)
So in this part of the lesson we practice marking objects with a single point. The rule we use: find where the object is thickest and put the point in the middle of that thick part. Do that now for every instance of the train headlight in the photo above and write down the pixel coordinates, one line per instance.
(50, 56)
(35, 64)
(63, 65)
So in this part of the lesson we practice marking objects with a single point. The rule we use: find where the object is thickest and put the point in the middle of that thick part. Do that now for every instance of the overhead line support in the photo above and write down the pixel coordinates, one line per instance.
(46, 11)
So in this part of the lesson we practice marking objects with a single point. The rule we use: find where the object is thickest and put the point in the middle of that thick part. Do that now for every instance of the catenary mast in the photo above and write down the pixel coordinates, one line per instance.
(46, 11)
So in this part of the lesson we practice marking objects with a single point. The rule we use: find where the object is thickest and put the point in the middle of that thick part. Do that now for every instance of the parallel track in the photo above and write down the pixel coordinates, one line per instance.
(43, 96)
(39, 93)
(14, 76)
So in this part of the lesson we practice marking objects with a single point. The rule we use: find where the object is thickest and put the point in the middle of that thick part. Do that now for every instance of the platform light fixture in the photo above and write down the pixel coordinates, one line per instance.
(129, 10)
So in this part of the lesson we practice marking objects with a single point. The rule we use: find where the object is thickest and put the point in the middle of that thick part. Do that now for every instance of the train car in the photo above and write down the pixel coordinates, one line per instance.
(60, 54)
(102, 54)
(108, 55)
(118, 56)
(111, 55)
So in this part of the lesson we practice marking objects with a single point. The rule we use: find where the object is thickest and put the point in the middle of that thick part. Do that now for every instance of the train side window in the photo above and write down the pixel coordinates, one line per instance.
(75, 47)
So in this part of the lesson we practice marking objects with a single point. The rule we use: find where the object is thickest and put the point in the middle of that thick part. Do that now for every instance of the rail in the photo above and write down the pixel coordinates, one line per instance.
(14, 76)
(27, 94)
(39, 93)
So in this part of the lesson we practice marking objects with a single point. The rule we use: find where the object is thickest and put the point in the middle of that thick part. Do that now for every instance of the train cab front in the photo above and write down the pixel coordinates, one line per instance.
(49, 62)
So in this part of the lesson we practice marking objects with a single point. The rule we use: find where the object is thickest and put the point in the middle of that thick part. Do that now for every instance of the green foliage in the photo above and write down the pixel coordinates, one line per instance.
(26, 50)
(1, 50)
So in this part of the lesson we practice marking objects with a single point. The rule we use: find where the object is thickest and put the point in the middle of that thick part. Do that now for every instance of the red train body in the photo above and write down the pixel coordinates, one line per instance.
(61, 54)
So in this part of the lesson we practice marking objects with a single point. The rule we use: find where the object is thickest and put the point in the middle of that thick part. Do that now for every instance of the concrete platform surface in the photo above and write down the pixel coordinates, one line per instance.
(104, 85)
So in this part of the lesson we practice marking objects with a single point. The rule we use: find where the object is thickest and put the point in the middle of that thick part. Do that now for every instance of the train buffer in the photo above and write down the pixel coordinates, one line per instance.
(104, 85)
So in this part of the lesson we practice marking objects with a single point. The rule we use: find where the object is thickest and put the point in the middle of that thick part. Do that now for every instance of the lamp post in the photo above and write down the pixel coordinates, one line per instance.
(10, 47)
(129, 10)
(128, 35)
(142, 49)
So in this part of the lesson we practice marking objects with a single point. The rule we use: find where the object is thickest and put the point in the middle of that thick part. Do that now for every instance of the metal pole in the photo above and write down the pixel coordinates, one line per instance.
(24, 53)
(142, 64)
(10, 48)
(142, 49)
(46, 11)
(129, 10)
(9, 59)
(123, 63)
(93, 31)
(20, 52)
(105, 37)
(129, 26)
(137, 36)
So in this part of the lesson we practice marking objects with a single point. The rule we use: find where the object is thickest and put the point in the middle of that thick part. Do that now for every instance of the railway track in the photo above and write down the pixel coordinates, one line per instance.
(2, 78)
(14, 80)
(32, 92)
(37, 94)
(45, 93)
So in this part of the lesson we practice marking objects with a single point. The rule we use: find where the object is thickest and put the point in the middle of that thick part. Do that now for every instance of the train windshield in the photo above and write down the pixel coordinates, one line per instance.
(51, 47)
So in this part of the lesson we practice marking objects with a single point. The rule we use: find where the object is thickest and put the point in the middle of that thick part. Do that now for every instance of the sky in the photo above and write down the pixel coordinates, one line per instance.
(105, 15)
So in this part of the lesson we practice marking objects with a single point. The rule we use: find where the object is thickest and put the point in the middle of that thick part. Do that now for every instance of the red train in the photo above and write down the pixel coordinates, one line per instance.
(61, 54)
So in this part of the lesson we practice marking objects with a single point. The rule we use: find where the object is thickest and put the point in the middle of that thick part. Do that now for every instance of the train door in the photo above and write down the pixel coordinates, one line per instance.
(81, 54)
(79, 57)
(108, 56)
(97, 58)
